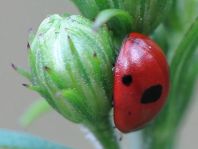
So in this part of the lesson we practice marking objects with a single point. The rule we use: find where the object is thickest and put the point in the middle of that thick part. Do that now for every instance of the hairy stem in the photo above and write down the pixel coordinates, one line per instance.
(104, 133)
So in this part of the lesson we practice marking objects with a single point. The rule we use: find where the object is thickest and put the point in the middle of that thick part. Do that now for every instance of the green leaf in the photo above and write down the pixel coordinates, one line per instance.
(184, 72)
(183, 54)
(105, 15)
(35, 111)
(83, 6)
(14, 140)
(187, 87)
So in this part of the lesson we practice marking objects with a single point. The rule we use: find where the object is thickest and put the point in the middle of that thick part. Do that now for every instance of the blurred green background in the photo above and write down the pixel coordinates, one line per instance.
(16, 19)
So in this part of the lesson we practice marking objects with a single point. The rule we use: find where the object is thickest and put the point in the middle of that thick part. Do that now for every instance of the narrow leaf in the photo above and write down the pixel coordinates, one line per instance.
(105, 15)
(183, 54)
(184, 73)
(35, 111)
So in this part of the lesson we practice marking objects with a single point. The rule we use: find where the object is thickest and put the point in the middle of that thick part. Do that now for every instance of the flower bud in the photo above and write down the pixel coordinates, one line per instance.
(71, 67)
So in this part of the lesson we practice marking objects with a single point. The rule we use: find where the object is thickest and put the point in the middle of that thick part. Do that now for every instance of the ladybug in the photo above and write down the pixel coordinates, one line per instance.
(141, 82)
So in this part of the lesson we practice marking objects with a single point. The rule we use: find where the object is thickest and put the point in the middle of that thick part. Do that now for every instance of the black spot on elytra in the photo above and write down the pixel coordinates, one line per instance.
(151, 94)
(127, 80)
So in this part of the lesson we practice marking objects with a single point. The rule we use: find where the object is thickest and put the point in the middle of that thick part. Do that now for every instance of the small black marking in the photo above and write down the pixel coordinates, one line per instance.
(30, 30)
(69, 38)
(14, 67)
(25, 85)
(28, 45)
(120, 137)
(112, 102)
(151, 94)
(127, 80)
(40, 34)
(46, 68)
(94, 54)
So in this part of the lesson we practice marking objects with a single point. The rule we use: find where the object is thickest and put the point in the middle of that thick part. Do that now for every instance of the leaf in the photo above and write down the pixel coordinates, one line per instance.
(35, 111)
(183, 54)
(84, 5)
(184, 73)
(118, 20)
(105, 15)
(15, 140)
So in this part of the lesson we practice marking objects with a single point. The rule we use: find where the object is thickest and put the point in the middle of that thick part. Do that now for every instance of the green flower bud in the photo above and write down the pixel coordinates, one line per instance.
(71, 67)
(146, 14)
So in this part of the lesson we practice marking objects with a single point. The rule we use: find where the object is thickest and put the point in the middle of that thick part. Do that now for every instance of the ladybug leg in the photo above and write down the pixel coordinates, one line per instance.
(112, 101)
(119, 135)
(112, 104)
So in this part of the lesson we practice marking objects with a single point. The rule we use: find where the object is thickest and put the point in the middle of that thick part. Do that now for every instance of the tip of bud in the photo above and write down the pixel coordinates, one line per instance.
(46, 68)
(68, 37)
(28, 45)
(30, 29)
(94, 54)
(13, 66)
(25, 85)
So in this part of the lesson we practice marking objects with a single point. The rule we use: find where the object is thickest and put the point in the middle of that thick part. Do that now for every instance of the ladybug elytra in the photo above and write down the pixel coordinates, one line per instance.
(141, 82)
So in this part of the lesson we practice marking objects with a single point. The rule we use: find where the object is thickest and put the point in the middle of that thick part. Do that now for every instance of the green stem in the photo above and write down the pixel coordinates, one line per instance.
(104, 133)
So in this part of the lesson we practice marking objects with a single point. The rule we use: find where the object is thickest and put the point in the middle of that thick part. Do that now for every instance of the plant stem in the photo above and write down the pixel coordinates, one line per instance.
(104, 133)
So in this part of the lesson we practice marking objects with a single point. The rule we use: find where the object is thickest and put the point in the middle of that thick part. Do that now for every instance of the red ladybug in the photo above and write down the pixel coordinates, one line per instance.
(141, 82)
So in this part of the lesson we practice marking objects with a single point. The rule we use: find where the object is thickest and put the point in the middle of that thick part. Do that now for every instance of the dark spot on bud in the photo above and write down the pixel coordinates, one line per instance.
(14, 67)
(40, 34)
(68, 37)
(152, 94)
(30, 30)
(25, 85)
(28, 45)
(127, 80)
(46, 68)
(94, 54)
